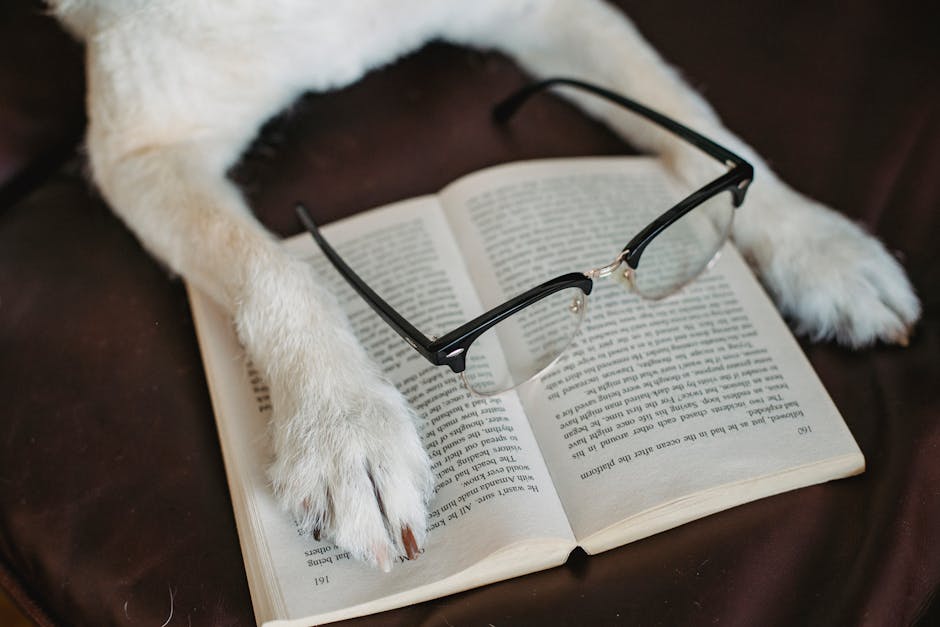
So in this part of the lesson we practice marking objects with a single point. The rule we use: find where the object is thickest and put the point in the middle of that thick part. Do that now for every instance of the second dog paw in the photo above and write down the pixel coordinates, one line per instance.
(830, 277)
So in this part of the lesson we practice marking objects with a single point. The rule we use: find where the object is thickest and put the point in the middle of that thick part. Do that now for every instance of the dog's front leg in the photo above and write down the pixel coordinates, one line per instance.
(349, 463)
(831, 277)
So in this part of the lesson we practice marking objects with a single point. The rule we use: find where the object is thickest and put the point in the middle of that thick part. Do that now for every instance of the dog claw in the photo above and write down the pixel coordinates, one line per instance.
(408, 540)
(381, 558)
(903, 339)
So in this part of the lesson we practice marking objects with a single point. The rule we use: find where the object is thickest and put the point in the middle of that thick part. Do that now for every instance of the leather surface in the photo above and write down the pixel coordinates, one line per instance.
(113, 501)
(41, 92)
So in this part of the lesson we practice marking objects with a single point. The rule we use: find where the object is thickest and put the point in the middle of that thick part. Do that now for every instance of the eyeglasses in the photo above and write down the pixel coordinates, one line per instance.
(675, 248)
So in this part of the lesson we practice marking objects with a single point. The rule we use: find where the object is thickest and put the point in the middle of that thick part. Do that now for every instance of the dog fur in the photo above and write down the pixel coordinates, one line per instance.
(178, 89)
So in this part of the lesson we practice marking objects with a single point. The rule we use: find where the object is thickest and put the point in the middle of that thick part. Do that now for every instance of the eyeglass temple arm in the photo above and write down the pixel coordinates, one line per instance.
(503, 111)
(736, 179)
(405, 329)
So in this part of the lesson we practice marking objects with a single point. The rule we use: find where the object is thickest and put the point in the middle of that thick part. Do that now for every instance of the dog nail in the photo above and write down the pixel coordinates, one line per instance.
(381, 558)
(408, 539)
(316, 533)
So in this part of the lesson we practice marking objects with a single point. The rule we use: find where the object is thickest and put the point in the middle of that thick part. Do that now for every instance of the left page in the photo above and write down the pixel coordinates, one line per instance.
(495, 514)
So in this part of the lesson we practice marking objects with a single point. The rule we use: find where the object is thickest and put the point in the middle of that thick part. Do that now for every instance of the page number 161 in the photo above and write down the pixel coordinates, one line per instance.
(321, 581)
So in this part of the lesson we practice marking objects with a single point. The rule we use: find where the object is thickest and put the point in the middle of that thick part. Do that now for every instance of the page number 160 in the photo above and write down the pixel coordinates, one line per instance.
(804, 430)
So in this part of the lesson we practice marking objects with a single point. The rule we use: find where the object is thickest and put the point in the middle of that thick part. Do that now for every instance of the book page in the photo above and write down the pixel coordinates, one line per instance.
(493, 491)
(663, 410)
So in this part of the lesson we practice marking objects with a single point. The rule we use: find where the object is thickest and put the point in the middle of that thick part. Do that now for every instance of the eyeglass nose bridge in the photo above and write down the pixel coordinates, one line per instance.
(612, 267)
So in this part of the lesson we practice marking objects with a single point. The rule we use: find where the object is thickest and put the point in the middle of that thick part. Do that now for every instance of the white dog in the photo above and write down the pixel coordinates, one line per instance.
(178, 88)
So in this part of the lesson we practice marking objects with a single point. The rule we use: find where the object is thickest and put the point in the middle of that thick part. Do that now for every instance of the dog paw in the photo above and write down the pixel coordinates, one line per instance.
(351, 469)
(828, 276)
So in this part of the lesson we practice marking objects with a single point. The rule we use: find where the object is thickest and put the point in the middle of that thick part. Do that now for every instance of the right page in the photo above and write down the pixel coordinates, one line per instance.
(662, 411)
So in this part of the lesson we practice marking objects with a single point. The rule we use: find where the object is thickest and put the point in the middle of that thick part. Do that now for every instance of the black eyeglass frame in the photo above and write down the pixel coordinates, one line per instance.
(451, 348)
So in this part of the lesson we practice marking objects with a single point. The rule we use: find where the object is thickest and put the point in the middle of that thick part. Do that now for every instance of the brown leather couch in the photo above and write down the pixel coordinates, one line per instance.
(113, 501)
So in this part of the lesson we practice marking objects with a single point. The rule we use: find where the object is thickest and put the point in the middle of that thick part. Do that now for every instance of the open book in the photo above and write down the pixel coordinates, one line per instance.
(660, 413)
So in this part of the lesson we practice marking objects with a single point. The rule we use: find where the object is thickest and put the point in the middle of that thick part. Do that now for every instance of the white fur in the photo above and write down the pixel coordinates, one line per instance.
(177, 88)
